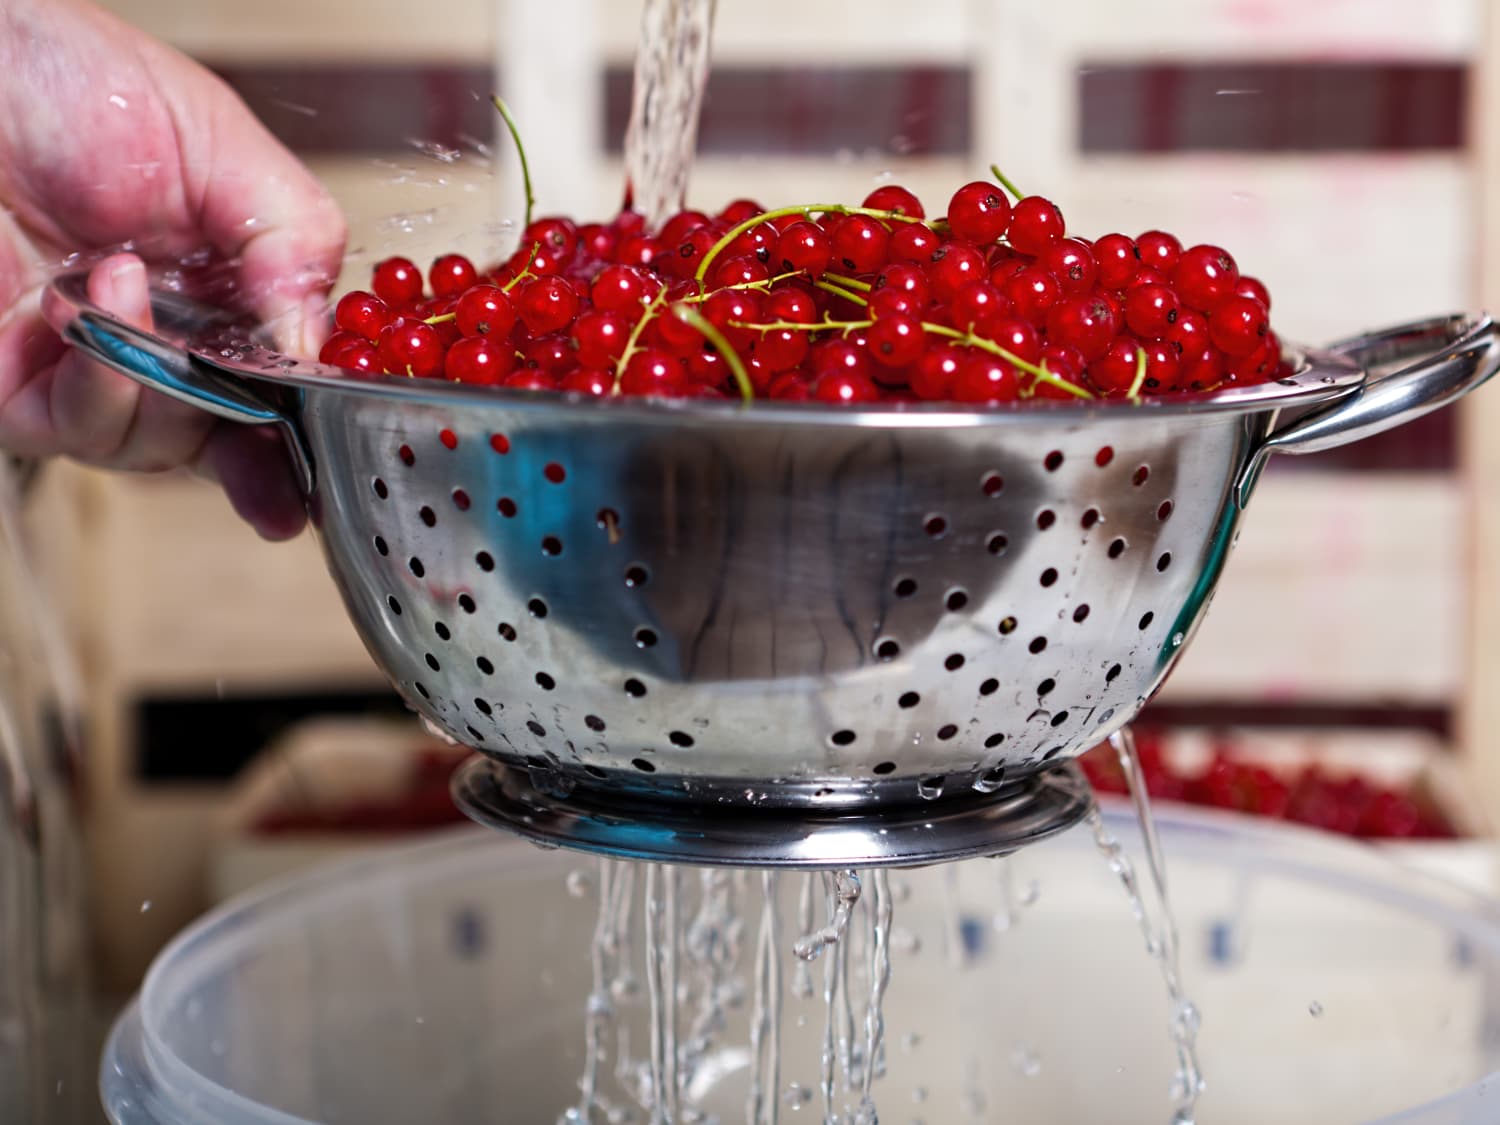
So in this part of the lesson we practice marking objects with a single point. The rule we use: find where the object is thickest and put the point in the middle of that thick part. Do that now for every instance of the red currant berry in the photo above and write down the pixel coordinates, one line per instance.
(552, 354)
(838, 355)
(738, 211)
(451, 275)
(896, 340)
(979, 212)
(1205, 276)
(1032, 292)
(706, 366)
(680, 225)
(781, 349)
(891, 197)
(758, 242)
(1257, 367)
(1190, 332)
(1072, 263)
(1238, 326)
(397, 282)
(361, 313)
(1067, 364)
(688, 252)
(1200, 368)
(409, 347)
(952, 266)
(485, 311)
(913, 242)
(1151, 311)
(1113, 373)
(361, 356)
(1019, 337)
(861, 244)
(845, 388)
(546, 304)
(596, 242)
(335, 346)
(977, 303)
(932, 377)
(728, 309)
(790, 387)
(884, 302)
(1146, 276)
(556, 237)
(739, 271)
(804, 247)
(624, 289)
(1255, 289)
(791, 303)
(628, 222)
(907, 277)
(653, 372)
(1162, 365)
(531, 379)
(1085, 323)
(1158, 251)
(479, 360)
(637, 250)
(1035, 224)
(588, 381)
(1117, 260)
(600, 337)
(985, 378)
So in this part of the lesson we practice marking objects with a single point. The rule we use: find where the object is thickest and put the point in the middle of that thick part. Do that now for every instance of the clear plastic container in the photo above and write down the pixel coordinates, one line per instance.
(446, 982)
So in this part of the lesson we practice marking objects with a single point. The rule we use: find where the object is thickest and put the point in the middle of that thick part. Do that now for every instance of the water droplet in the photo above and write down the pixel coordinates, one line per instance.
(441, 153)
(1315, 1009)
(911, 1041)
(797, 1096)
(118, 102)
(930, 788)
(1026, 1061)
(145, 905)
(919, 1094)
(1177, 639)
(579, 883)
(1032, 892)
(421, 1020)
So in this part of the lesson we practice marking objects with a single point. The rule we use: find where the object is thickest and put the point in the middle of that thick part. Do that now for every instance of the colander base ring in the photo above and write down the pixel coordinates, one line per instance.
(623, 826)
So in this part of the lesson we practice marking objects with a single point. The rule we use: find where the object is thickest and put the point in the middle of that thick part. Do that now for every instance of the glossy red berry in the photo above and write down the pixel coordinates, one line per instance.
(729, 309)
(1113, 373)
(451, 274)
(653, 372)
(1066, 363)
(884, 302)
(860, 244)
(976, 304)
(624, 289)
(781, 349)
(409, 347)
(361, 356)
(546, 304)
(979, 212)
(1159, 251)
(687, 253)
(1205, 276)
(738, 211)
(588, 381)
(1032, 292)
(1238, 325)
(637, 250)
(913, 242)
(335, 346)
(1200, 368)
(932, 377)
(952, 266)
(909, 278)
(790, 387)
(896, 340)
(531, 379)
(555, 235)
(361, 313)
(1189, 332)
(596, 242)
(804, 246)
(479, 360)
(1035, 224)
(791, 303)
(1162, 365)
(397, 282)
(1072, 263)
(845, 388)
(892, 197)
(758, 242)
(1018, 337)
(985, 378)
(1117, 260)
(553, 354)
(680, 225)
(1255, 289)
(485, 310)
(1151, 311)
(1085, 323)
(600, 337)
(838, 356)
(743, 270)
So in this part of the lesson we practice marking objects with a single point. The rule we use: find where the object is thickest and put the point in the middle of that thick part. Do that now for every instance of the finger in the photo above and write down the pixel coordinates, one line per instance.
(252, 465)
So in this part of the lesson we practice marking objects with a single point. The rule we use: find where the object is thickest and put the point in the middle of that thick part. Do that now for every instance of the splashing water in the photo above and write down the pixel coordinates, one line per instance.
(671, 69)
(1159, 931)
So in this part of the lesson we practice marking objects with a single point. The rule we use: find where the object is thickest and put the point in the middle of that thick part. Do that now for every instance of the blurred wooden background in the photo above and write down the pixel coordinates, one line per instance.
(1341, 149)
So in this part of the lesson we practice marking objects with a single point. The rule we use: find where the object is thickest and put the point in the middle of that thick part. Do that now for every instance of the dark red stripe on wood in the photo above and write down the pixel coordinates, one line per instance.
(1321, 716)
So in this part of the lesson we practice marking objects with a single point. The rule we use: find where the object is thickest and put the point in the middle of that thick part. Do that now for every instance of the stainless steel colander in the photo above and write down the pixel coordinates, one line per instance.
(784, 634)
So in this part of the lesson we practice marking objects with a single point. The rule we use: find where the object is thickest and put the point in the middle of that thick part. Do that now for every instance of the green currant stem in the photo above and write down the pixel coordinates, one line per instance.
(525, 274)
(797, 326)
(785, 212)
(849, 282)
(1005, 183)
(839, 291)
(632, 342)
(1011, 358)
(443, 318)
(716, 338)
(1140, 375)
(699, 298)
(515, 135)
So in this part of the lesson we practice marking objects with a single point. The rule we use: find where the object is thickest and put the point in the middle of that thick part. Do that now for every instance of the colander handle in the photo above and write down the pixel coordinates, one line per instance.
(1441, 361)
(160, 361)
